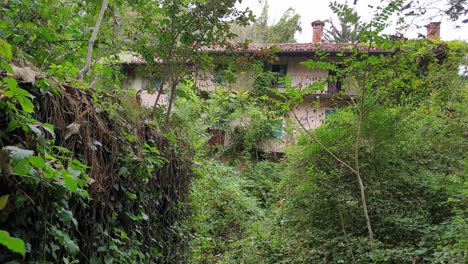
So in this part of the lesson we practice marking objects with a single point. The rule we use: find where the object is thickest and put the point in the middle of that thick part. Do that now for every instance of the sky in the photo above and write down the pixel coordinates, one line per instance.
(311, 10)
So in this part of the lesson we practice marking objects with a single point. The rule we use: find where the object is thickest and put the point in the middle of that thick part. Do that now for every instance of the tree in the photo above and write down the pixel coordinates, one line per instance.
(284, 30)
(174, 33)
(260, 32)
(348, 28)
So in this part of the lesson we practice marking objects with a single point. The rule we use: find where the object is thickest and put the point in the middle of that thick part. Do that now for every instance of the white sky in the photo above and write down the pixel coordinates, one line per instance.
(311, 10)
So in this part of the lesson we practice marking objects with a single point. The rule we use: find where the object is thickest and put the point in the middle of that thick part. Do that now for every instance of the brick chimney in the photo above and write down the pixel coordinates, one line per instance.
(317, 27)
(433, 30)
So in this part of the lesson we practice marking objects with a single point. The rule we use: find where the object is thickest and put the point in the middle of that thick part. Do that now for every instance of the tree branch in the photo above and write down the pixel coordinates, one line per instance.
(314, 137)
(91, 41)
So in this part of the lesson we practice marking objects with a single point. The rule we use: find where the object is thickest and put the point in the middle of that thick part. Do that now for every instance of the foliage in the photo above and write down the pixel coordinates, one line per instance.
(14, 244)
(411, 158)
(183, 30)
(260, 32)
(89, 176)
(265, 81)
(227, 217)
(220, 217)
(126, 201)
(347, 30)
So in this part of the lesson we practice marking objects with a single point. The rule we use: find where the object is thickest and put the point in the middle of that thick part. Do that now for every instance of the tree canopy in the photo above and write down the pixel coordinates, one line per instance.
(259, 31)
(346, 29)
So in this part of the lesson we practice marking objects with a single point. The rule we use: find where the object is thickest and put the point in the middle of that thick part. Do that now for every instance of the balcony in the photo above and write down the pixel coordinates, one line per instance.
(302, 81)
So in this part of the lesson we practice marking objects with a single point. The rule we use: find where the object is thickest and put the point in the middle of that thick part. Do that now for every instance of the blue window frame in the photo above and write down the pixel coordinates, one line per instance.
(277, 130)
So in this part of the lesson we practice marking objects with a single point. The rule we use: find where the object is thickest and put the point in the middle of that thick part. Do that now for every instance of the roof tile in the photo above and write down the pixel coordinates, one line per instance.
(299, 47)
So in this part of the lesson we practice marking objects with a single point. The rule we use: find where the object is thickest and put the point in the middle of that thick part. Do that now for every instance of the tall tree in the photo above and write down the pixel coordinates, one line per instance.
(346, 30)
(284, 30)
(260, 32)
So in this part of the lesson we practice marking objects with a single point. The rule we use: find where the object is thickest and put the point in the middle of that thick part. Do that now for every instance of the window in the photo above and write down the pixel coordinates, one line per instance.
(329, 112)
(280, 71)
(153, 85)
(334, 80)
(219, 74)
(280, 68)
(277, 129)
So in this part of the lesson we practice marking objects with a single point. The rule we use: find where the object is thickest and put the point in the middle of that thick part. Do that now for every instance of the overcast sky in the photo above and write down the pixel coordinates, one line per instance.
(311, 10)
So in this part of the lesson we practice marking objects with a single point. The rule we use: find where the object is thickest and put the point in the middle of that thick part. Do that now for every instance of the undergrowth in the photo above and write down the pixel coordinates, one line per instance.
(84, 180)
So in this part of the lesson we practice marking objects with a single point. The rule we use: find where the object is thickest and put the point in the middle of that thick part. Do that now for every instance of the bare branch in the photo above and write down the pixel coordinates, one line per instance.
(91, 41)
(314, 137)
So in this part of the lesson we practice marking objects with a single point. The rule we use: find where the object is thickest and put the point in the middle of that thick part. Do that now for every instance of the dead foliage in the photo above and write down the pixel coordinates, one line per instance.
(97, 139)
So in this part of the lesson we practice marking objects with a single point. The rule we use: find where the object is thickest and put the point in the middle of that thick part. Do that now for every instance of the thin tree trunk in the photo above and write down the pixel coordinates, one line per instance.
(359, 179)
(91, 41)
(314, 137)
(171, 99)
(160, 90)
(361, 109)
(355, 170)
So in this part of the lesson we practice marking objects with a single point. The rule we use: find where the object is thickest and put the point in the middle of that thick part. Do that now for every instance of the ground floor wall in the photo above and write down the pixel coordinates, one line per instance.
(310, 114)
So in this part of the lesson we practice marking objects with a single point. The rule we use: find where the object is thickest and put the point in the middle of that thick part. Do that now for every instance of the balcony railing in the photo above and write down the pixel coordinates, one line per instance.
(300, 81)
(303, 81)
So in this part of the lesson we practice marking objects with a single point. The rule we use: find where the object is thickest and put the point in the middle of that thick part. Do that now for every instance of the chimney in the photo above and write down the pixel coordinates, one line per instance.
(433, 30)
(317, 27)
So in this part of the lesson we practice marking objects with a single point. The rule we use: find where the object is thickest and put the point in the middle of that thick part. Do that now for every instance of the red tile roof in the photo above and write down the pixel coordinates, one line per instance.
(285, 48)
(280, 49)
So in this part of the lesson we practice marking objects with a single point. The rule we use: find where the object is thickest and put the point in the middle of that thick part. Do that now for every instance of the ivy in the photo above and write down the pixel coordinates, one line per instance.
(14, 244)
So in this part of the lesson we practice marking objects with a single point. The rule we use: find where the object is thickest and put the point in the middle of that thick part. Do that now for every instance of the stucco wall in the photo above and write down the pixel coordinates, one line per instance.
(135, 80)
(244, 81)
(311, 114)
(300, 76)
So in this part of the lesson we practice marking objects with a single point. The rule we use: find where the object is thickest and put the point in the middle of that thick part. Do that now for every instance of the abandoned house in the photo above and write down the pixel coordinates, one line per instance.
(316, 105)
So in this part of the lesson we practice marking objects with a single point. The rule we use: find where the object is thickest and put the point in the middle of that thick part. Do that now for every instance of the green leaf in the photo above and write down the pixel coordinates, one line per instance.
(62, 149)
(70, 182)
(12, 125)
(22, 168)
(95, 260)
(131, 195)
(6, 67)
(5, 50)
(66, 217)
(4, 201)
(37, 162)
(26, 104)
(19, 153)
(49, 128)
(11, 83)
(14, 244)
(123, 171)
(108, 259)
(122, 233)
(65, 240)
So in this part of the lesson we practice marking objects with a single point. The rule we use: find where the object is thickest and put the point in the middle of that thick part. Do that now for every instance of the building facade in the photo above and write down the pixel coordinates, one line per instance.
(289, 59)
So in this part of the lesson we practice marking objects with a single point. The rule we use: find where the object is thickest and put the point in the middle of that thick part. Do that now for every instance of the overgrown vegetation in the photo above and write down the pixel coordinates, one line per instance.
(87, 175)
(78, 187)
